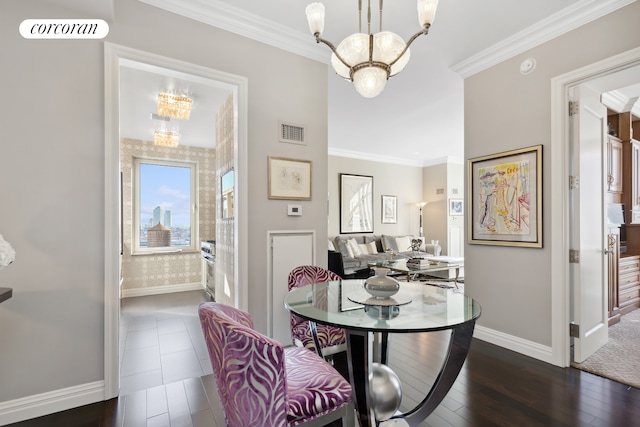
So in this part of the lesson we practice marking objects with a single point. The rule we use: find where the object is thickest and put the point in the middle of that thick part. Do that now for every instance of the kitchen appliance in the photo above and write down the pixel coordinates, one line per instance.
(208, 251)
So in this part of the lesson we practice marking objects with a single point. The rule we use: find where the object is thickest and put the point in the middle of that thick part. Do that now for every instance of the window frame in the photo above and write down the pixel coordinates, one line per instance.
(136, 249)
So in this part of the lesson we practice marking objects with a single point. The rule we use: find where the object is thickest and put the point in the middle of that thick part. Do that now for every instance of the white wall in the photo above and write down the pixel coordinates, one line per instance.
(52, 176)
(505, 110)
(404, 182)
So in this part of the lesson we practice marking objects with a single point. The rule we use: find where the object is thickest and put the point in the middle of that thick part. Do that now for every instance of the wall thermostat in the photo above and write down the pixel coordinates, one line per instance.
(294, 210)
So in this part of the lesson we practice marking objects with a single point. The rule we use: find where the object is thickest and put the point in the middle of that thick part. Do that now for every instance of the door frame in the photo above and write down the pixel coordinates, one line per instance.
(560, 142)
(113, 55)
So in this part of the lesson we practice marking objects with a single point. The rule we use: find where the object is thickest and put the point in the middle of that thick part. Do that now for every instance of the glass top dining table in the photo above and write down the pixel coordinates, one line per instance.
(417, 307)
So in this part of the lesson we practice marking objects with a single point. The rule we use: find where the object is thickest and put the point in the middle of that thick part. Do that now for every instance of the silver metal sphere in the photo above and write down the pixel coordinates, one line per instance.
(386, 391)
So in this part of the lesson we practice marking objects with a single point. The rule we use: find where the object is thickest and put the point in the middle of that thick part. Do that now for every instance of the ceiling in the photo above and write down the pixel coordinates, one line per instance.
(421, 109)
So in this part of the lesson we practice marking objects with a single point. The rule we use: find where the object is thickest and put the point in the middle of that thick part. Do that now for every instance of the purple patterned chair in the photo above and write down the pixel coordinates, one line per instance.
(332, 340)
(262, 384)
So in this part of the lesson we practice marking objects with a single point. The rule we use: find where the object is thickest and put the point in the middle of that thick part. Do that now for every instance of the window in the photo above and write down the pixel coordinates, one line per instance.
(165, 209)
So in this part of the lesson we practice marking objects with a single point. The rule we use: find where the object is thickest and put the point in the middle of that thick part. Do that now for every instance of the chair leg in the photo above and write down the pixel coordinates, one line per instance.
(349, 419)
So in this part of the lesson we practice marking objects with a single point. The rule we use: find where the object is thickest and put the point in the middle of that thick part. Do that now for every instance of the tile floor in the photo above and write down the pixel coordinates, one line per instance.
(161, 340)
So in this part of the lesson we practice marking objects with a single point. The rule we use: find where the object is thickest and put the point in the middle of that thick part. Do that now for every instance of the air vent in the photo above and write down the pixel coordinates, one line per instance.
(440, 191)
(292, 134)
(155, 116)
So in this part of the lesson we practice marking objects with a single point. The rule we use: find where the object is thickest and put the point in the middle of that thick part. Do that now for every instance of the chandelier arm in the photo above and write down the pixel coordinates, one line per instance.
(333, 49)
(424, 31)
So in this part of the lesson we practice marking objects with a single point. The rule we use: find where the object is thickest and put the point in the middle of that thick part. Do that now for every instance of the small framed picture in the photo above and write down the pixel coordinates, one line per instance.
(456, 207)
(289, 179)
(389, 210)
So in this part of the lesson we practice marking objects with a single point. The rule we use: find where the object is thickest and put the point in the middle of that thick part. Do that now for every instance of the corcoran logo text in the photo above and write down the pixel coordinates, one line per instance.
(64, 29)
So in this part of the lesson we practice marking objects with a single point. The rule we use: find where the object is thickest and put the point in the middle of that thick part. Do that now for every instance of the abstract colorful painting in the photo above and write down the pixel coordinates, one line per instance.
(505, 194)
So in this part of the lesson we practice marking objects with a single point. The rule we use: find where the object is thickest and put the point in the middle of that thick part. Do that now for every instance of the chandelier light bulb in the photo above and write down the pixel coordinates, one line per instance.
(315, 18)
(427, 11)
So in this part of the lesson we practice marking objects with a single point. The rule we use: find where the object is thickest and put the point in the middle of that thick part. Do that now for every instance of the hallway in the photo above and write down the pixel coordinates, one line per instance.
(161, 340)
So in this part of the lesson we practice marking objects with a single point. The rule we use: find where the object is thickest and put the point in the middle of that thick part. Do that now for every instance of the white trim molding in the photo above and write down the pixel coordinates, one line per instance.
(114, 56)
(566, 20)
(560, 281)
(338, 152)
(238, 21)
(158, 290)
(519, 345)
(38, 405)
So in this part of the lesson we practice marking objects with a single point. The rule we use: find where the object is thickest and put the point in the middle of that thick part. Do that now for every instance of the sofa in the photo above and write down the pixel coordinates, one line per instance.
(359, 250)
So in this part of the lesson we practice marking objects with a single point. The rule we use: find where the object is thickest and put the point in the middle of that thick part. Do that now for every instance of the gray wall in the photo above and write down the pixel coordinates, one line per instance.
(405, 182)
(52, 176)
(505, 110)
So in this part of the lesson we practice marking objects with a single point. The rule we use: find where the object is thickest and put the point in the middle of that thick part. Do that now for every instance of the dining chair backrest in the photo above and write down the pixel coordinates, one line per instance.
(262, 384)
(331, 339)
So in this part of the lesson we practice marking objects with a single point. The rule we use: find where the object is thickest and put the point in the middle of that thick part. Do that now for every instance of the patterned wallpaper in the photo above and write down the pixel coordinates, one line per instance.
(142, 271)
(225, 277)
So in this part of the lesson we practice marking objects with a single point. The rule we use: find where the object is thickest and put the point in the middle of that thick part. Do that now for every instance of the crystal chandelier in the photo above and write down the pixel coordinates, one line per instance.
(166, 138)
(368, 60)
(174, 106)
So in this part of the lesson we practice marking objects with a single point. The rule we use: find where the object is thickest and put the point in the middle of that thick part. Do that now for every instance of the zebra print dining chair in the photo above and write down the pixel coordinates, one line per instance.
(332, 340)
(263, 384)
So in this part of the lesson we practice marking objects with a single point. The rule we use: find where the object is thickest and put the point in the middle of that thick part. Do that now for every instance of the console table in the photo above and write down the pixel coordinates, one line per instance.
(5, 294)
(430, 309)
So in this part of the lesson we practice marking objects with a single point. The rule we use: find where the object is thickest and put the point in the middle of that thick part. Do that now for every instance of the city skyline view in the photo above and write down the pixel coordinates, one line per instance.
(165, 198)
(168, 187)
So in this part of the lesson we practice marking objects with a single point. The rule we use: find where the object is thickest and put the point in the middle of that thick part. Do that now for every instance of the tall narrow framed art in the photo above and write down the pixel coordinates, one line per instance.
(356, 204)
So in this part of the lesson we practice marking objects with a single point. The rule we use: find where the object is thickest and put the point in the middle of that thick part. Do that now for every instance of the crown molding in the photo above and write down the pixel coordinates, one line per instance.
(566, 20)
(338, 152)
(618, 102)
(235, 20)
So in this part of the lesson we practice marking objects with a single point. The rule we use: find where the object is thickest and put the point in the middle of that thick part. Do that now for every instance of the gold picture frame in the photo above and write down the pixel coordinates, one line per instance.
(505, 198)
(289, 179)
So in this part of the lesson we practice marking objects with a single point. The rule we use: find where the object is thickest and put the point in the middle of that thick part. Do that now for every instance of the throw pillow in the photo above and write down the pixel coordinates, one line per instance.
(364, 249)
(332, 247)
(389, 243)
(372, 249)
(403, 243)
(353, 245)
(349, 249)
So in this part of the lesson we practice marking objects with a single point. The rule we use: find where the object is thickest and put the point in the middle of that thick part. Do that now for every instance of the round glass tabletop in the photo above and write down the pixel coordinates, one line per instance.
(431, 308)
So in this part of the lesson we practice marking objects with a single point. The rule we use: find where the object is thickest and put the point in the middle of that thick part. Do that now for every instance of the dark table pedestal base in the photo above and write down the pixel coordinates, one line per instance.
(361, 349)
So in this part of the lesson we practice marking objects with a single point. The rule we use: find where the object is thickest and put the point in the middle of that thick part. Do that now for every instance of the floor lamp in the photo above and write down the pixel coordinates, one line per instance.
(421, 205)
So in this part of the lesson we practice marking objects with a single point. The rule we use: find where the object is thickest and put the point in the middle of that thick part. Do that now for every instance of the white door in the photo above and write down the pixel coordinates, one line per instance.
(588, 275)
(288, 250)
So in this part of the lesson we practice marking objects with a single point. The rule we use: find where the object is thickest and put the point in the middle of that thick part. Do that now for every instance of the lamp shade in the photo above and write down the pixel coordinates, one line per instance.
(370, 81)
(315, 18)
(386, 48)
(354, 50)
(427, 11)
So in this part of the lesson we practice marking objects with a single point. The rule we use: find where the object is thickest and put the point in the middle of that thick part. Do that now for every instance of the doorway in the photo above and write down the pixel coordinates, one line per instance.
(615, 72)
(115, 58)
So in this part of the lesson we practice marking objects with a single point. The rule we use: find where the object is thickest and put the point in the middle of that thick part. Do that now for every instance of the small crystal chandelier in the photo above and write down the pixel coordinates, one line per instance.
(174, 106)
(165, 138)
(368, 60)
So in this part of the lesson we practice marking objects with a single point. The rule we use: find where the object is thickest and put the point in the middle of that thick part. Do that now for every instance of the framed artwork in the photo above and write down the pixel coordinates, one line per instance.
(505, 198)
(456, 207)
(356, 204)
(389, 209)
(289, 179)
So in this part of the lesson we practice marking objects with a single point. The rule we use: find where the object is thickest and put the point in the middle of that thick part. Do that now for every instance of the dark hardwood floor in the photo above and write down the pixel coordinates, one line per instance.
(496, 387)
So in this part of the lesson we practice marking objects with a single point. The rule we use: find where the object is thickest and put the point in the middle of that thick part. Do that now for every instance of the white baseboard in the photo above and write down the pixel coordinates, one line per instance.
(157, 290)
(29, 407)
(510, 342)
